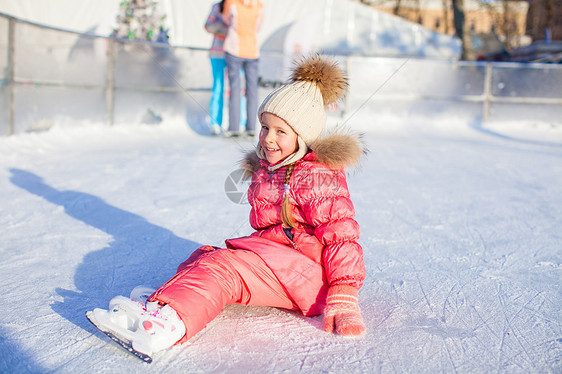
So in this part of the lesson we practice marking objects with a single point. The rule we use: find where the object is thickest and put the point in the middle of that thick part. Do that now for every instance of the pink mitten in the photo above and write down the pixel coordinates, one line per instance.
(342, 313)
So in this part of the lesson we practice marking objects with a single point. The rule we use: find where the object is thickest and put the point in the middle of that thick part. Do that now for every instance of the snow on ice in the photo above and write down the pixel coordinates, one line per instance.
(461, 229)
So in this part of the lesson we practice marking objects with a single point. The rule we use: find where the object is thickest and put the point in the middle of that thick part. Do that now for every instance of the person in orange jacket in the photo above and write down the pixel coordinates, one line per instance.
(216, 26)
(244, 19)
(302, 256)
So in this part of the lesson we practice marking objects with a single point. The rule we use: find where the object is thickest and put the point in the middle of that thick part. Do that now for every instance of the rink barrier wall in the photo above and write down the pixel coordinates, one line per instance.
(53, 76)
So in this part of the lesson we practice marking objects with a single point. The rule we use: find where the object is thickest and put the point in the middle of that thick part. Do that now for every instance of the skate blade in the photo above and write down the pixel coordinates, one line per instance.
(122, 342)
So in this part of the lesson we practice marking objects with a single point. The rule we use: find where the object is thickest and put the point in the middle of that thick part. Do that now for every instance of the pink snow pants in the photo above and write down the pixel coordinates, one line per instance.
(214, 277)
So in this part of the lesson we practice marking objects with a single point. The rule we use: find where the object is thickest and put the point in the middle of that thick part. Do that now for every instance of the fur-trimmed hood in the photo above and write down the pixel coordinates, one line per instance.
(336, 151)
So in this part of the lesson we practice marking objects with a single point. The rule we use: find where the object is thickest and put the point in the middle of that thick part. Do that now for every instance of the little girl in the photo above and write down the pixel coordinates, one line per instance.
(304, 254)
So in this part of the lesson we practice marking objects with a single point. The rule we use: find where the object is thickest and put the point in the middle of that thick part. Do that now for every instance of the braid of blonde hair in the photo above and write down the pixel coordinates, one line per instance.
(286, 211)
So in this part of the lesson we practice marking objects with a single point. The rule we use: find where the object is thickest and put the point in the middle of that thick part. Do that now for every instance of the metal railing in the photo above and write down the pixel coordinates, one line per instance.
(49, 73)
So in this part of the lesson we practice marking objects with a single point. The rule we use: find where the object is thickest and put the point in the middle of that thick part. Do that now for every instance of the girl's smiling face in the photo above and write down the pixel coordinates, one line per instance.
(277, 138)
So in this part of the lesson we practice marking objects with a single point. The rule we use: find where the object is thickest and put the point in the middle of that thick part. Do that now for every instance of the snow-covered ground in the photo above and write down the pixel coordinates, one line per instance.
(461, 228)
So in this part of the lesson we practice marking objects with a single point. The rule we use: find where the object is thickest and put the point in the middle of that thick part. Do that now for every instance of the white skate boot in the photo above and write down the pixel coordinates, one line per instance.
(141, 293)
(140, 331)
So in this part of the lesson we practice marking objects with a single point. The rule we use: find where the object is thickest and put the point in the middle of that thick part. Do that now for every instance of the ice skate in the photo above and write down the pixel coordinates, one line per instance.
(140, 331)
(141, 293)
(215, 130)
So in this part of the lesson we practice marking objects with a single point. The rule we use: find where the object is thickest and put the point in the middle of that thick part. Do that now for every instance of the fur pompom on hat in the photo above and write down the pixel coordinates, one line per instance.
(315, 82)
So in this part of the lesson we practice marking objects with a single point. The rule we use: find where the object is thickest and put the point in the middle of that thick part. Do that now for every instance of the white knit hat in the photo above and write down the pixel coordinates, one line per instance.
(315, 82)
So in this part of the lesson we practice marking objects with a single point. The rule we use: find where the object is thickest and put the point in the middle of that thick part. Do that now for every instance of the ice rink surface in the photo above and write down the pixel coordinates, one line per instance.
(461, 228)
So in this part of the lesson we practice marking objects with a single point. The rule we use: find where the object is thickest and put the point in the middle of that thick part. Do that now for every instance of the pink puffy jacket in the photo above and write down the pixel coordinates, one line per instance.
(323, 250)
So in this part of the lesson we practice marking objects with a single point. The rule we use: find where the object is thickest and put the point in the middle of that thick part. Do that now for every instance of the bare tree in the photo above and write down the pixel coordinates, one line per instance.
(549, 9)
(446, 16)
(543, 15)
(504, 21)
(397, 7)
(509, 26)
(417, 11)
(460, 29)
